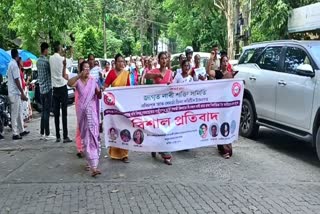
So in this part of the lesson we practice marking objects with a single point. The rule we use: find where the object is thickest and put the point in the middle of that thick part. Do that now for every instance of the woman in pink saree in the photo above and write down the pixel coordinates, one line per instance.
(161, 76)
(87, 115)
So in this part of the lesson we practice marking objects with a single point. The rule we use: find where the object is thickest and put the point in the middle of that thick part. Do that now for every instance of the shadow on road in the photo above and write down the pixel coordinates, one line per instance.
(288, 145)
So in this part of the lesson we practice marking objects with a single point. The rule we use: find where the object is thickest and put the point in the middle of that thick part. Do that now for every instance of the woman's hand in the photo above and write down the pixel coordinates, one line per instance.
(202, 77)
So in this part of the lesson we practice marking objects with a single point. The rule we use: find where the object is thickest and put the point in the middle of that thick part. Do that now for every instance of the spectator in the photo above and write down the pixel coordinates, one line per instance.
(44, 79)
(113, 65)
(178, 69)
(94, 67)
(106, 69)
(59, 79)
(1, 122)
(214, 62)
(189, 55)
(16, 96)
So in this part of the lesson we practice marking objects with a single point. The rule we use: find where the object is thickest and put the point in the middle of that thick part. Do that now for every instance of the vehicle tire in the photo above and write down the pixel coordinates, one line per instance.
(317, 143)
(37, 107)
(70, 101)
(248, 125)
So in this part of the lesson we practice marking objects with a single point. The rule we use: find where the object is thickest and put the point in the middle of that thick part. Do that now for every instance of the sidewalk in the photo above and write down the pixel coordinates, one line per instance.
(32, 140)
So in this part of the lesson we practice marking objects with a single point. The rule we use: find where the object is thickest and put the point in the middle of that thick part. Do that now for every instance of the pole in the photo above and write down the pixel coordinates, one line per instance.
(104, 31)
(152, 39)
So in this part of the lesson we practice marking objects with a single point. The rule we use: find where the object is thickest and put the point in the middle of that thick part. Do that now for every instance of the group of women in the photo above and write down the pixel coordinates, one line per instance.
(88, 93)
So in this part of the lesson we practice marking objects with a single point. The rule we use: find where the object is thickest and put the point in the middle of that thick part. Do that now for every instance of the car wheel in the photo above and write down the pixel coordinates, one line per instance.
(317, 144)
(248, 125)
(37, 107)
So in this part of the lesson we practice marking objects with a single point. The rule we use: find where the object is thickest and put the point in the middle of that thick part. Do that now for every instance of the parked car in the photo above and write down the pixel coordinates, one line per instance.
(282, 89)
(34, 93)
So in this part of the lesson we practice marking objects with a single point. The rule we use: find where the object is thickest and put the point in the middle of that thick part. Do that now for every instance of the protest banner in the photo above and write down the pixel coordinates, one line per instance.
(175, 117)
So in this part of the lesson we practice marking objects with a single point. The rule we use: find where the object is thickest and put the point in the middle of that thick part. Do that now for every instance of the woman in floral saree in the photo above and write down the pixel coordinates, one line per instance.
(88, 121)
(161, 76)
(116, 78)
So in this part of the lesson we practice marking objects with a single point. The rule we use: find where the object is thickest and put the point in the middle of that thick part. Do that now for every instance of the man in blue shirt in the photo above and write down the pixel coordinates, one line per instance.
(44, 79)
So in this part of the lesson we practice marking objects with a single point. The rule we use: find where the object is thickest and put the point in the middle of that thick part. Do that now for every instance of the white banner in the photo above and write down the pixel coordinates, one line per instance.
(165, 118)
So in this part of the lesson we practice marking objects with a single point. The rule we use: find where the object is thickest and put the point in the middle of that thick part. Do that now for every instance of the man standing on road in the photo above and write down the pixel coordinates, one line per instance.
(59, 79)
(16, 95)
(44, 79)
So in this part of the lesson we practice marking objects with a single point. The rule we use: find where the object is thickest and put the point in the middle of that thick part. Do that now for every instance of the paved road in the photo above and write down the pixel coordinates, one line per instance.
(276, 174)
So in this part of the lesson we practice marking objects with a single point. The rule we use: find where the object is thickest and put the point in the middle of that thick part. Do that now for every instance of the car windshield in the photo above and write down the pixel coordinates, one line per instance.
(315, 50)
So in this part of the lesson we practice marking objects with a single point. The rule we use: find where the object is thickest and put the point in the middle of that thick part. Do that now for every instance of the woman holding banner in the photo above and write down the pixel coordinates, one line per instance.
(223, 73)
(88, 121)
(118, 77)
(161, 76)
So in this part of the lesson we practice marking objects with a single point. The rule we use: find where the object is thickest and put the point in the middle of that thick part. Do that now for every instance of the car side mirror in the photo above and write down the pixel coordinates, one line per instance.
(305, 70)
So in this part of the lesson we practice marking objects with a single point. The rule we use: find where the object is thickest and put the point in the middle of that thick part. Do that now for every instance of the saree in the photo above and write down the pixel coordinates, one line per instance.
(225, 150)
(88, 121)
(167, 78)
(118, 81)
(78, 137)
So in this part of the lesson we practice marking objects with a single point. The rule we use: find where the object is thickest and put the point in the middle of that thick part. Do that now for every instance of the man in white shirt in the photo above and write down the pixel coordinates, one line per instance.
(16, 94)
(59, 79)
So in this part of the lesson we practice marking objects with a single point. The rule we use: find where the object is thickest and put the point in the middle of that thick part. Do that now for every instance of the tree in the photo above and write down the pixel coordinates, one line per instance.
(271, 18)
(45, 20)
(196, 23)
(228, 7)
(6, 35)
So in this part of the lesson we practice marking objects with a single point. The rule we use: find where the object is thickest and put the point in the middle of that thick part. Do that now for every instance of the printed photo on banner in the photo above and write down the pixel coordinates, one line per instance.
(214, 130)
(125, 135)
(138, 136)
(113, 134)
(225, 129)
(233, 126)
(203, 130)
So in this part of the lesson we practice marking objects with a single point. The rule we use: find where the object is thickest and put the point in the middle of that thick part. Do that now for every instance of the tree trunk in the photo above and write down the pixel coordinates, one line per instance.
(230, 15)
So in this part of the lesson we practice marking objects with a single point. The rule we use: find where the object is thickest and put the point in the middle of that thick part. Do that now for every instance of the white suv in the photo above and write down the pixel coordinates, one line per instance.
(282, 89)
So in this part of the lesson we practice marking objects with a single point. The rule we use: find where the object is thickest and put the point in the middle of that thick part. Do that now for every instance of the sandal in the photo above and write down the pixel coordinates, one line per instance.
(98, 171)
(87, 168)
(167, 161)
(94, 173)
(79, 154)
(226, 156)
(153, 154)
(125, 160)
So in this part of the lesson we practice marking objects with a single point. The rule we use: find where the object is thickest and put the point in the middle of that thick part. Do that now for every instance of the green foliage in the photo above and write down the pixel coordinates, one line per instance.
(197, 23)
(271, 17)
(5, 33)
(133, 25)
(43, 20)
